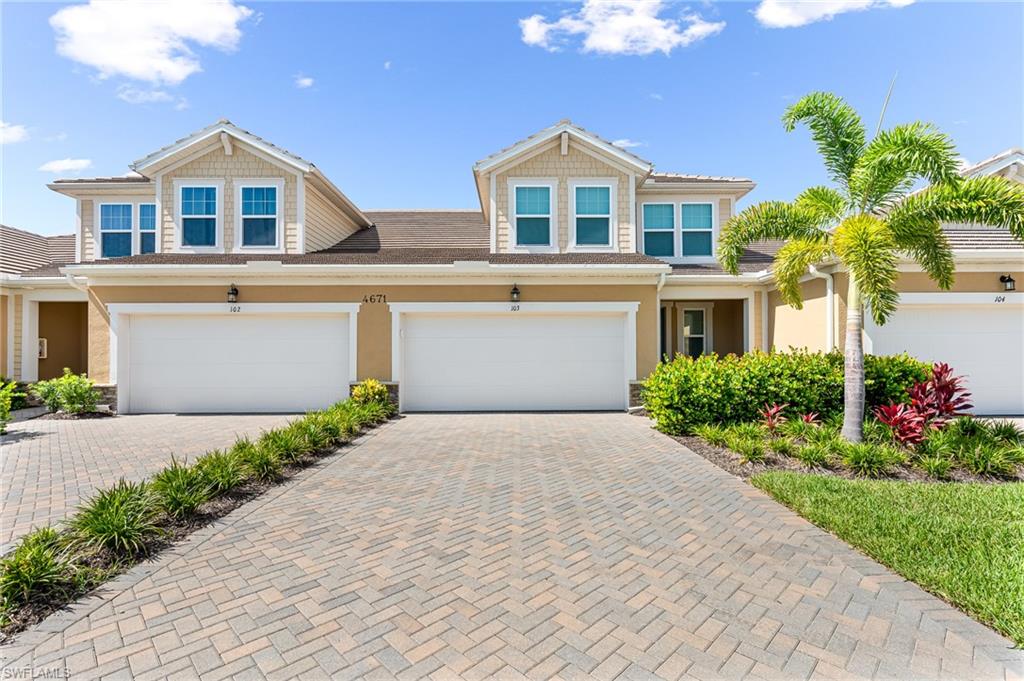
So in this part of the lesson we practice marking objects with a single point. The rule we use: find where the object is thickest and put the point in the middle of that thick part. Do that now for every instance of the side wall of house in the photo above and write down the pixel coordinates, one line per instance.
(789, 327)
(326, 224)
(4, 321)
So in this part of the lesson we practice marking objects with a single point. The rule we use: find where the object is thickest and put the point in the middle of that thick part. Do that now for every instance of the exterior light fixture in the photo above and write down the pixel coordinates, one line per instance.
(514, 293)
(1008, 282)
(233, 294)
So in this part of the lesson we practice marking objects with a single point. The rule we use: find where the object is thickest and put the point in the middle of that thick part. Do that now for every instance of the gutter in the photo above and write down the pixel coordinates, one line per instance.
(70, 278)
(830, 314)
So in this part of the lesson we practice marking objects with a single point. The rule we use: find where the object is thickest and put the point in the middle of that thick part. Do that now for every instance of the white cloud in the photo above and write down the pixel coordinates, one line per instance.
(387, 66)
(618, 27)
(147, 41)
(792, 13)
(66, 165)
(657, 96)
(11, 133)
(181, 104)
(627, 143)
(134, 95)
(59, 137)
(302, 82)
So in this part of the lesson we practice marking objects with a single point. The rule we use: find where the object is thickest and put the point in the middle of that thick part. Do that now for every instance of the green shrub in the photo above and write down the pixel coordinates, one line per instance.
(370, 391)
(986, 458)
(966, 429)
(877, 432)
(71, 393)
(937, 443)
(712, 433)
(826, 436)
(750, 450)
(263, 464)
(1006, 431)
(687, 392)
(8, 394)
(315, 432)
(796, 428)
(1015, 454)
(120, 519)
(746, 431)
(180, 490)
(287, 444)
(783, 446)
(814, 455)
(221, 471)
(19, 398)
(936, 466)
(870, 460)
(36, 567)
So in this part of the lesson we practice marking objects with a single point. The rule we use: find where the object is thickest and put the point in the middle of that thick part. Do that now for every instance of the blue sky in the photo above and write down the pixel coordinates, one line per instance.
(401, 99)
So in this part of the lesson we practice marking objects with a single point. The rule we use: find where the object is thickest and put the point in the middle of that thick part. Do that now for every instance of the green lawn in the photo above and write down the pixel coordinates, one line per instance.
(963, 542)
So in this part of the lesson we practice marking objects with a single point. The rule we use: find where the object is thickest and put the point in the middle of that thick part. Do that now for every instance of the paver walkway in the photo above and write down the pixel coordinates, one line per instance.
(503, 546)
(49, 467)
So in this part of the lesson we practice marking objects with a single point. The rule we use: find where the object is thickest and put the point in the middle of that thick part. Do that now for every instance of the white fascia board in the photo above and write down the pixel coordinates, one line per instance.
(14, 281)
(215, 130)
(745, 279)
(736, 189)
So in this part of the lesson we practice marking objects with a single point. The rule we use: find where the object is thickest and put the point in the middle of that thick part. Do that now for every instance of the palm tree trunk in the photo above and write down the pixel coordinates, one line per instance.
(853, 368)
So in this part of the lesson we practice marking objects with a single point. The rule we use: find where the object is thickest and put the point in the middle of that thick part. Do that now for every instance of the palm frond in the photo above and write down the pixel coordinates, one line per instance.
(764, 221)
(791, 263)
(825, 201)
(990, 200)
(924, 240)
(895, 158)
(836, 129)
(866, 246)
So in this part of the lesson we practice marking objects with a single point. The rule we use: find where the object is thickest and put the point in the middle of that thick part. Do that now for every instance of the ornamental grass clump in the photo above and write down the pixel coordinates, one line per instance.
(261, 463)
(37, 567)
(870, 460)
(222, 471)
(180, 490)
(713, 433)
(121, 519)
(814, 455)
(987, 459)
(287, 444)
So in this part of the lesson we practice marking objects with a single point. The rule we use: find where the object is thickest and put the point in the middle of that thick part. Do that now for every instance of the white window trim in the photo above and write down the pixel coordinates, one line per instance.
(277, 183)
(676, 240)
(682, 258)
(612, 184)
(137, 239)
(134, 202)
(179, 223)
(552, 184)
(709, 339)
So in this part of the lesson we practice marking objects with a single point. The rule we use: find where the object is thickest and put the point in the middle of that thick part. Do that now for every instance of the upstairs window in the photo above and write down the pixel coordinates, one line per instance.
(259, 216)
(659, 228)
(147, 228)
(532, 215)
(115, 230)
(199, 217)
(697, 223)
(592, 215)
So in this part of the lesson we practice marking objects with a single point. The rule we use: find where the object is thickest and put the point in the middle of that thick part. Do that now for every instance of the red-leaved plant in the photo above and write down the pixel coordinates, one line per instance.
(940, 398)
(810, 417)
(771, 415)
(907, 425)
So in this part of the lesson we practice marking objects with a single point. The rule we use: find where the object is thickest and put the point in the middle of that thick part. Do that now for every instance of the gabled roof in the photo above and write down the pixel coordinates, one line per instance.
(225, 126)
(683, 178)
(21, 251)
(995, 163)
(431, 229)
(554, 131)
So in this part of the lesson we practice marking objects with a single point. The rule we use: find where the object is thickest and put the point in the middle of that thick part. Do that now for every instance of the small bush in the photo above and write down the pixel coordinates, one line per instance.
(986, 458)
(370, 391)
(877, 432)
(938, 444)
(35, 568)
(262, 464)
(798, 428)
(772, 416)
(746, 431)
(120, 519)
(71, 393)
(783, 446)
(221, 471)
(315, 433)
(813, 455)
(1015, 455)
(713, 434)
(870, 460)
(180, 490)
(287, 444)
(965, 429)
(8, 394)
(749, 449)
(935, 466)
(826, 436)
(1007, 432)
(19, 399)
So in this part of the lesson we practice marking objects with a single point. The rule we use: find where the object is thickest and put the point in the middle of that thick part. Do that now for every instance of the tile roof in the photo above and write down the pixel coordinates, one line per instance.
(683, 178)
(21, 251)
(981, 239)
(418, 229)
(756, 258)
(128, 179)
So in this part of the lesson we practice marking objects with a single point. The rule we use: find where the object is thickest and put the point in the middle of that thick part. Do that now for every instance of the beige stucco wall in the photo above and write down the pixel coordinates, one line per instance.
(374, 320)
(4, 369)
(326, 224)
(726, 325)
(241, 164)
(804, 328)
(576, 164)
(64, 326)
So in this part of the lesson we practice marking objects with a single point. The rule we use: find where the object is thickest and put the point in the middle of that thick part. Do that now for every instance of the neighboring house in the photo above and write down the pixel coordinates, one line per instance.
(57, 312)
(977, 327)
(226, 274)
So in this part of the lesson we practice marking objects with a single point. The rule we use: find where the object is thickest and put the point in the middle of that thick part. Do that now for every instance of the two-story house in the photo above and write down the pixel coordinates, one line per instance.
(225, 274)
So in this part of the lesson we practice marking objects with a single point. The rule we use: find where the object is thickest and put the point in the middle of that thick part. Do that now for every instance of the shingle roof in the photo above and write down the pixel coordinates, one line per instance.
(981, 239)
(756, 258)
(418, 229)
(21, 251)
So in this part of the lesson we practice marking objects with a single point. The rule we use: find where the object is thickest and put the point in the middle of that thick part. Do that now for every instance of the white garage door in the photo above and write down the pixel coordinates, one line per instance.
(237, 363)
(513, 361)
(983, 343)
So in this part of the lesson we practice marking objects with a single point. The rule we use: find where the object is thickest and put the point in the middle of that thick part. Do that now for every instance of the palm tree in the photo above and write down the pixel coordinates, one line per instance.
(870, 219)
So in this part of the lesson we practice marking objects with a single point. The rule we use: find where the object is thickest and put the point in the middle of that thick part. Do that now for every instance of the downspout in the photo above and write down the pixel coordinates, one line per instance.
(830, 329)
(74, 284)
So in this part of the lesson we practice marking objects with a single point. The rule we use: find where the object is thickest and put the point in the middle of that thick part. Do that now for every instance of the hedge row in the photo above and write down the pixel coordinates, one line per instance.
(687, 392)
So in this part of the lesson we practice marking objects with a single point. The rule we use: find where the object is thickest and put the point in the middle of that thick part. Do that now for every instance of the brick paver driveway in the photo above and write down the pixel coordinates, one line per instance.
(50, 466)
(498, 546)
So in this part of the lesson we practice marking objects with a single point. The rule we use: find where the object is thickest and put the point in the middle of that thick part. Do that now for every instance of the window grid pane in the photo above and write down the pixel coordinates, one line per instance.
(115, 217)
(593, 201)
(147, 216)
(696, 216)
(259, 200)
(198, 201)
(592, 231)
(659, 216)
(533, 201)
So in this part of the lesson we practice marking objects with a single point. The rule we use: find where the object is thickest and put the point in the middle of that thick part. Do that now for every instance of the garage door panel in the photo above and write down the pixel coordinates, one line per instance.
(237, 363)
(513, 362)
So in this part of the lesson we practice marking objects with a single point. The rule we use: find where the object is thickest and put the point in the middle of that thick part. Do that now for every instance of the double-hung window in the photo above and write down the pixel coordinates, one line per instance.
(659, 227)
(147, 228)
(532, 214)
(115, 229)
(199, 217)
(259, 216)
(694, 332)
(697, 225)
(592, 214)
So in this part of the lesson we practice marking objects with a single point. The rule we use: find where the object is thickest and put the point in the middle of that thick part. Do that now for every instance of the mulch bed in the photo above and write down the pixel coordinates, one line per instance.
(64, 416)
(730, 461)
